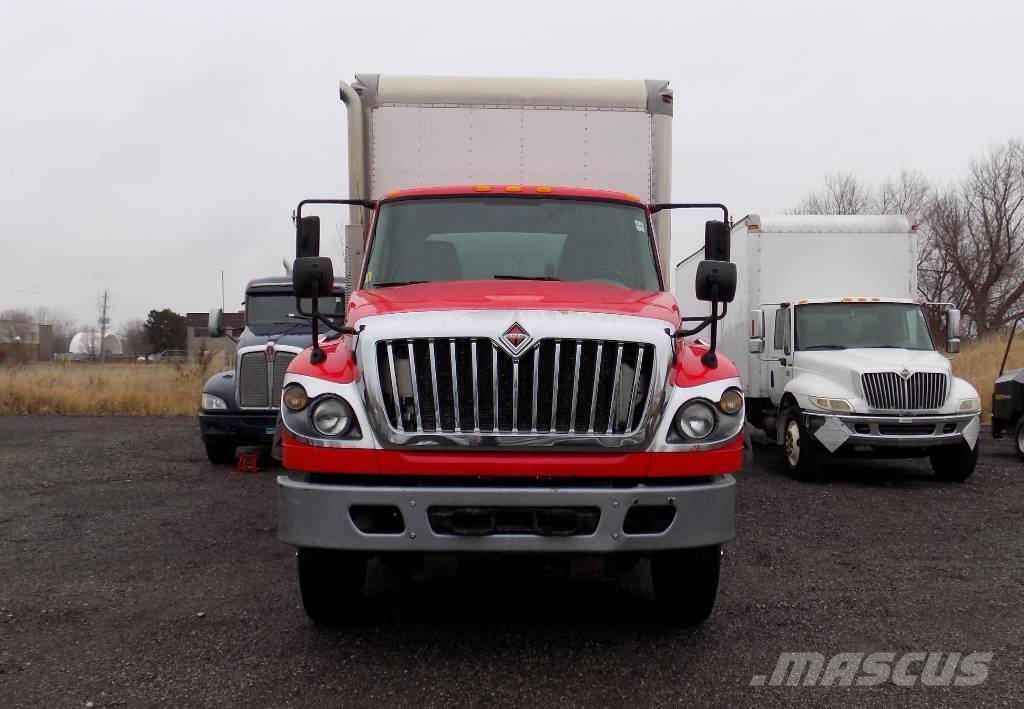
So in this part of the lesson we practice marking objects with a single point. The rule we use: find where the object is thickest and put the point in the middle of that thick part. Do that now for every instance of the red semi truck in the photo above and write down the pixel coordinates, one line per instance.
(512, 373)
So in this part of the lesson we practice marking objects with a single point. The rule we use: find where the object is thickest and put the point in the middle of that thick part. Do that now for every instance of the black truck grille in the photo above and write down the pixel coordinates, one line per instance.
(560, 386)
(889, 390)
(260, 382)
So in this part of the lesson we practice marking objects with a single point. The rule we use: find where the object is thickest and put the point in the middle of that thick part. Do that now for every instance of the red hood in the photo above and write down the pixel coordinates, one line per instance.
(513, 295)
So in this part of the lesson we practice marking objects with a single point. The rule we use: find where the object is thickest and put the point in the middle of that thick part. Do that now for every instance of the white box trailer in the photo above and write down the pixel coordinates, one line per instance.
(832, 343)
(418, 131)
(786, 258)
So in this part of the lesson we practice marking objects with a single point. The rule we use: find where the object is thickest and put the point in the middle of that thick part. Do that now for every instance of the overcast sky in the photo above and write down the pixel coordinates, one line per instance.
(146, 146)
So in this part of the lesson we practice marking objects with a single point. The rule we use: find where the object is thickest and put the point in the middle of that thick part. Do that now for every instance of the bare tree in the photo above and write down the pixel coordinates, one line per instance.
(971, 250)
(981, 229)
(133, 337)
(91, 342)
(843, 193)
(17, 325)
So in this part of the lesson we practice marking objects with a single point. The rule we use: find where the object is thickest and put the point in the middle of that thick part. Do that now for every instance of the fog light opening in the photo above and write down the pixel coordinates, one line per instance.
(377, 519)
(649, 519)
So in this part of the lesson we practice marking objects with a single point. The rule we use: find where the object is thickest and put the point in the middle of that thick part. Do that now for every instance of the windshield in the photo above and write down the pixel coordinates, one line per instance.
(485, 238)
(275, 309)
(834, 326)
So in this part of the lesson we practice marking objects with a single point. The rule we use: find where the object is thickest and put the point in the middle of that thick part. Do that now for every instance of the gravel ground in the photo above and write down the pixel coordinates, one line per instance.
(134, 573)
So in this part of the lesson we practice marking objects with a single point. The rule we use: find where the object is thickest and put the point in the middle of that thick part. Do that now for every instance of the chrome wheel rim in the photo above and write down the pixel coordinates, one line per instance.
(793, 443)
(1020, 438)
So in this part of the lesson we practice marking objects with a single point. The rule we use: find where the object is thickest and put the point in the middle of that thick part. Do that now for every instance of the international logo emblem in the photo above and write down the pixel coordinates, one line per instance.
(516, 338)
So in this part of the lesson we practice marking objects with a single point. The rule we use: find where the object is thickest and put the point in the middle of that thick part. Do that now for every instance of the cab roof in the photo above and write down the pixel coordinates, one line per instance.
(279, 284)
(484, 190)
(855, 299)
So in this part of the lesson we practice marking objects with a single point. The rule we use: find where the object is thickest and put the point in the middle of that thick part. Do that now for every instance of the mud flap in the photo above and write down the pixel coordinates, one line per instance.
(832, 434)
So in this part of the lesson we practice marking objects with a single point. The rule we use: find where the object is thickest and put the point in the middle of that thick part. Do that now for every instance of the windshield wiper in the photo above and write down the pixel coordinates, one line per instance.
(501, 277)
(389, 284)
(825, 347)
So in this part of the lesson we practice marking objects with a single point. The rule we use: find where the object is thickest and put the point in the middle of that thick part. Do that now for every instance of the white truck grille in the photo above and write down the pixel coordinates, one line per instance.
(893, 391)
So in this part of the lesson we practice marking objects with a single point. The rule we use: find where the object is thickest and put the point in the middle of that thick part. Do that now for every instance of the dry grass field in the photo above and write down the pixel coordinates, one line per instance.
(136, 389)
(173, 390)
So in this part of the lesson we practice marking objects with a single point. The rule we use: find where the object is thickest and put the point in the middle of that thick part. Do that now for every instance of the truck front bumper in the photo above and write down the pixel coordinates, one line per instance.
(249, 427)
(321, 516)
(835, 431)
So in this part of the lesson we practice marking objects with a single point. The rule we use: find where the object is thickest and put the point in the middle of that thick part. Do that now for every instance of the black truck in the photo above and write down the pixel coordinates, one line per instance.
(239, 406)
(1008, 400)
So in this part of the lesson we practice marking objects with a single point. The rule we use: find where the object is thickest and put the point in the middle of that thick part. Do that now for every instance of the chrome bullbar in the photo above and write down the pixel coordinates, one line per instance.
(525, 379)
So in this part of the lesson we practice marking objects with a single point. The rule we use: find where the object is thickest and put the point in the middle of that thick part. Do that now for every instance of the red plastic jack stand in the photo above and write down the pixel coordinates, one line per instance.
(249, 463)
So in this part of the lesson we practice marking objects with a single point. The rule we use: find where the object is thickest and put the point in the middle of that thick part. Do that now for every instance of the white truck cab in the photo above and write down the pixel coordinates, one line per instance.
(835, 351)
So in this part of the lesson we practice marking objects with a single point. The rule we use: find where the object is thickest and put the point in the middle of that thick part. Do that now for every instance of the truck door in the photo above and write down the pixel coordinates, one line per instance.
(780, 366)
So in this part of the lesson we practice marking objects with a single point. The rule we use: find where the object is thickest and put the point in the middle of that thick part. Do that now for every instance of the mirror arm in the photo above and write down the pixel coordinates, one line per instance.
(711, 320)
(655, 208)
(315, 317)
(366, 203)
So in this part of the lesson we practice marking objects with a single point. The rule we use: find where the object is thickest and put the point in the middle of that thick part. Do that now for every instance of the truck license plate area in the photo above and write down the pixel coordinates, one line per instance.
(538, 521)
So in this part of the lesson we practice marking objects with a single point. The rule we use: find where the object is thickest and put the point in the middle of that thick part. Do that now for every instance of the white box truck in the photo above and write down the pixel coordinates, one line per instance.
(833, 347)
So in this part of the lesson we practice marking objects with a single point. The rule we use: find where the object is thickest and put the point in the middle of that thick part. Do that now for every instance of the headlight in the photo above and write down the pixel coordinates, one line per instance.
(696, 420)
(213, 403)
(969, 406)
(332, 417)
(841, 406)
(295, 397)
(731, 401)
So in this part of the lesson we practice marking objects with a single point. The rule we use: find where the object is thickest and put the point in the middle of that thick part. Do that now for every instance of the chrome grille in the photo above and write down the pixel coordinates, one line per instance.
(889, 390)
(252, 380)
(259, 381)
(559, 386)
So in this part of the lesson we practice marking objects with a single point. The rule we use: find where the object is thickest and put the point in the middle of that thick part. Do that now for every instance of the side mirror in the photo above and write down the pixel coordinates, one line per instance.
(756, 332)
(716, 281)
(307, 237)
(952, 331)
(716, 241)
(215, 326)
(312, 277)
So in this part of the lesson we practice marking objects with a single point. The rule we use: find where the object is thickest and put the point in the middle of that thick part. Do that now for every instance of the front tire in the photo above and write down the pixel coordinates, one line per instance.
(800, 453)
(220, 452)
(1020, 439)
(686, 583)
(331, 583)
(955, 463)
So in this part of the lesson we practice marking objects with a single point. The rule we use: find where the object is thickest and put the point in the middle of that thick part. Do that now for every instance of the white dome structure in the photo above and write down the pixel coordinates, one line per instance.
(88, 344)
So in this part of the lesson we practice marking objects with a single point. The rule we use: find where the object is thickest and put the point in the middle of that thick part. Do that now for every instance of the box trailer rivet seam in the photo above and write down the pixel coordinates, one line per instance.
(512, 373)
(833, 347)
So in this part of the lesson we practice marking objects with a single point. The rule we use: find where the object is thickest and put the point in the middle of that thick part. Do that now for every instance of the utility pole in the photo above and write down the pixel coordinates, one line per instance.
(104, 320)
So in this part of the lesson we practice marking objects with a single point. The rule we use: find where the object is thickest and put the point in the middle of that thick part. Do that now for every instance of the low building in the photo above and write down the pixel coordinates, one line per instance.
(197, 337)
(25, 341)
